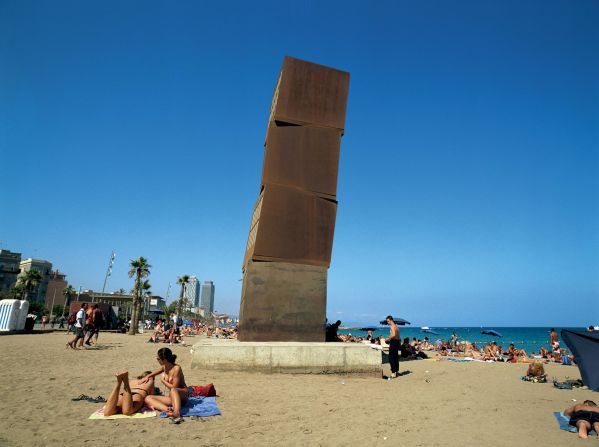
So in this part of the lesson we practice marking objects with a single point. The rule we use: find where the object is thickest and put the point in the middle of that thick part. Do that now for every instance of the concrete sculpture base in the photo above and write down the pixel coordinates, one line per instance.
(283, 302)
(286, 357)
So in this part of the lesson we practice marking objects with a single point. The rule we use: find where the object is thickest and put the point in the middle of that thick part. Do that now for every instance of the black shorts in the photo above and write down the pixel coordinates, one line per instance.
(584, 415)
(78, 331)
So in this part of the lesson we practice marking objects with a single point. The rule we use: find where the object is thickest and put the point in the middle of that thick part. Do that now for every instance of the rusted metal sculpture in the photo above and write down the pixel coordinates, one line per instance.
(291, 233)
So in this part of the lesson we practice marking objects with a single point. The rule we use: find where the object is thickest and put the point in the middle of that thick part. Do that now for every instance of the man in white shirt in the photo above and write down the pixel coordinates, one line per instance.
(78, 327)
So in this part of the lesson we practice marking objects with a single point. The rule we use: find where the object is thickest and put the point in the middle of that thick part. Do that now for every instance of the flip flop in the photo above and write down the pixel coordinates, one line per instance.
(98, 400)
(81, 397)
(176, 420)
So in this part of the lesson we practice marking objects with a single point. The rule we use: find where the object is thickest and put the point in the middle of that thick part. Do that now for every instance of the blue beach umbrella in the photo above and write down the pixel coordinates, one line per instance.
(491, 332)
(399, 321)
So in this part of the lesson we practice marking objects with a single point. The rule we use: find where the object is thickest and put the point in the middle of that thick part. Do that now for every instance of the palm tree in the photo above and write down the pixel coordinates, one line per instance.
(67, 292)
(146, 291)
(29, 281)
(182, 280)
(140, 269)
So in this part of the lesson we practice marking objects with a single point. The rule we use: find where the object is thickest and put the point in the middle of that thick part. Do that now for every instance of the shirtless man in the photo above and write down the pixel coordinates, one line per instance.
(132, 398)
(584, 417)
(393, 342)
(554, 341)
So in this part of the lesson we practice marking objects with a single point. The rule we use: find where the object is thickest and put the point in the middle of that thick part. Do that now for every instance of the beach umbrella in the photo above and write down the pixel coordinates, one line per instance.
(366, 329)
(585, 347)
(399, 321)
(491, 332)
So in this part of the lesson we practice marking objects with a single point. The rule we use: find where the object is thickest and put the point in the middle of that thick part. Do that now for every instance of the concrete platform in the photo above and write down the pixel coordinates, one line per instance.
(286, 357)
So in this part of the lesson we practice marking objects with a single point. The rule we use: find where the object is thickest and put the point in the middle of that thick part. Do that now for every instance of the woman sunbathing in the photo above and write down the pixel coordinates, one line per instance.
(172, 377)
(584, 417)
(131, 400)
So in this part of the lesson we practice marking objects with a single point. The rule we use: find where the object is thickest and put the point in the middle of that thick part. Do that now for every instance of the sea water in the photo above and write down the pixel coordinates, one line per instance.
(528, 338)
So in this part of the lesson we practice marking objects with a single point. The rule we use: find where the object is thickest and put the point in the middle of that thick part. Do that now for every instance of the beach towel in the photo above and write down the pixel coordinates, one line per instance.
(145, 412)
(452, 359)
(564, 423)
(198, 406)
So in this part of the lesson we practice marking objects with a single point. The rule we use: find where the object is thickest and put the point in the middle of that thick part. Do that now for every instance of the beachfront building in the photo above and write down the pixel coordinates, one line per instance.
(207, 297)
(56, 285)
(122, 304)
(9, 269)
(192, 291)
(38, 292)
(157, 303)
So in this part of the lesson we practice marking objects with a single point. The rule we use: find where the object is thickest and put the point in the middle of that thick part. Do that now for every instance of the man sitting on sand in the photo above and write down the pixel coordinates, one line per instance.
(584, 417)
(131, 400)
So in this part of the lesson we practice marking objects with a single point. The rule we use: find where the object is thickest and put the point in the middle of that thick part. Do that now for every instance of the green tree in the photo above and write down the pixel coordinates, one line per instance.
(37, 307)
(146, 290)
(29, 282)
(121, 291)
(139, 269)
(57, 310)
(182, 281)
(68, 292)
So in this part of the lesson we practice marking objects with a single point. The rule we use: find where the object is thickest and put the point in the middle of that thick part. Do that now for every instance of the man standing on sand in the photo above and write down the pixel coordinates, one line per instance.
(554, 341)
(78, 327)
(393, 342)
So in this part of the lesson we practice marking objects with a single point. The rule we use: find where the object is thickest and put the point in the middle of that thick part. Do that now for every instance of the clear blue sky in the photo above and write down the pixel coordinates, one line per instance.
(469, 175)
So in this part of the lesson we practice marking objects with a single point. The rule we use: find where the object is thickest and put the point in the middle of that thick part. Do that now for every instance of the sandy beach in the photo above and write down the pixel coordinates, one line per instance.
(439, 403)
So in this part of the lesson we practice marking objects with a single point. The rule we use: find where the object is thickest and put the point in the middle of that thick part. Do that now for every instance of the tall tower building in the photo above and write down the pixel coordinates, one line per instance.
(192, 291)
(207, 302)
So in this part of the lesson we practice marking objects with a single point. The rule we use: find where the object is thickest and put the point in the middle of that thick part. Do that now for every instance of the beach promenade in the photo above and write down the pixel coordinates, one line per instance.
(440, 403)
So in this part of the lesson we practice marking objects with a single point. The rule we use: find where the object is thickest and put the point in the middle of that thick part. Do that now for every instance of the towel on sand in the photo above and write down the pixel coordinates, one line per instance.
(198, 406)
(145, 412)
(564, 423)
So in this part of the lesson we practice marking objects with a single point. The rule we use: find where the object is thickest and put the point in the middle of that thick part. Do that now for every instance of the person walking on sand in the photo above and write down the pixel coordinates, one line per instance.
(97, 321)
(393, 342)
(78, 327)
(173, 378)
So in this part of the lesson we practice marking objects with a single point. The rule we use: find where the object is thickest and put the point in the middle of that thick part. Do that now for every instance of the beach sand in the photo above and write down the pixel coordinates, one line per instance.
(438, 404)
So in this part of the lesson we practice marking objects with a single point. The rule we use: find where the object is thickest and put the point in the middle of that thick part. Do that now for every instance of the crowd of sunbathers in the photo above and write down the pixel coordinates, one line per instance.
(455, 348)
(140, 392)
(169, 331)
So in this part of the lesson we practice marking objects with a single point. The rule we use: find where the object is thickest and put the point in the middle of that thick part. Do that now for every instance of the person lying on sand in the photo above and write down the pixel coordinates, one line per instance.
(132, 398)
(584, 417)
(172, 377)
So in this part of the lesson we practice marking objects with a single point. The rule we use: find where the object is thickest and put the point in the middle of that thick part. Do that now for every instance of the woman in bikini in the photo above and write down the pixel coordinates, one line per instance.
(131, 400)
(172, 377)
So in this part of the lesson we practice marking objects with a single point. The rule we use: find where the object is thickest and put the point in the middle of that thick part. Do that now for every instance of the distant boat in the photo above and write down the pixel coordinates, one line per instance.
(428, 330)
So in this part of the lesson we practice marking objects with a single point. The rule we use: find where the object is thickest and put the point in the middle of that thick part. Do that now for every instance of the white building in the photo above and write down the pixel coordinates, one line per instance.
(192, 291)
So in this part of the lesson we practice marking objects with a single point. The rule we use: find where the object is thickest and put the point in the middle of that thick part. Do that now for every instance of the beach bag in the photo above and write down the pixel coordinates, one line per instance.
(208, 390)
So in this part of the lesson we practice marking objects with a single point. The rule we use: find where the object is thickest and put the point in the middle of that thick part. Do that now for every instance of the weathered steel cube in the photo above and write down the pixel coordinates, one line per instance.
(302, 157)
(310, 94)
(291, 225)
